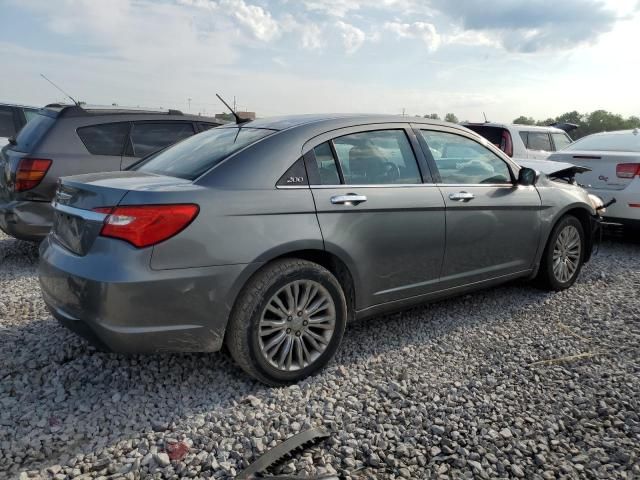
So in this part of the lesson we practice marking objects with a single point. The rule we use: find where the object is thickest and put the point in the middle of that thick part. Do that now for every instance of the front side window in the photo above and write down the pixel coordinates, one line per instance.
(105, 139)
(539, 141)
(147, 138)
(195, 155)
(7, 126)
(561, 140)
(377, 158)
(461, 160)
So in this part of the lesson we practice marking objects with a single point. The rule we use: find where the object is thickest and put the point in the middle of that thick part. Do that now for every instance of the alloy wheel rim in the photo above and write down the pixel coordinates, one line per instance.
(566, 254)
(296, 325)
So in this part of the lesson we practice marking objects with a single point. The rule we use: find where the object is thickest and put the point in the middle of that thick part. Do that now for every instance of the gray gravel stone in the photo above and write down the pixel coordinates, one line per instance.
(450, 389)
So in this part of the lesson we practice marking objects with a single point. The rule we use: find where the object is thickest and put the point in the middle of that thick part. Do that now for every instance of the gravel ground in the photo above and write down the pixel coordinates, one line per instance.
(510, 382)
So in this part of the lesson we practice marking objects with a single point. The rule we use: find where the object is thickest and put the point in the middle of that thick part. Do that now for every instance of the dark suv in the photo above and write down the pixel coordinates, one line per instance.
(66, 140)
(12, 119)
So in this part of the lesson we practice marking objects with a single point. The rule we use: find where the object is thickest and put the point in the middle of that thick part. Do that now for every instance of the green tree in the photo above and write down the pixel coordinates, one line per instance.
(450, 117)
(432, 116)
(522, 120)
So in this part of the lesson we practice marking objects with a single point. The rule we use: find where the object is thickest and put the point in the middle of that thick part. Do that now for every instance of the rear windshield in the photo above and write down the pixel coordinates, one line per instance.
(615, 142)
(493, 134)
(192, 157)
(32, 132)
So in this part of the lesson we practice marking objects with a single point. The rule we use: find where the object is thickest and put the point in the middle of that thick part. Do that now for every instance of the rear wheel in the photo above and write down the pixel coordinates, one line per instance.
(563, 256)
(288, 322)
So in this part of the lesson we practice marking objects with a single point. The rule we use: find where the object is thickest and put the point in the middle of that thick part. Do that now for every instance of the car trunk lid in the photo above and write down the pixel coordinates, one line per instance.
(80, 200)
(605, 167)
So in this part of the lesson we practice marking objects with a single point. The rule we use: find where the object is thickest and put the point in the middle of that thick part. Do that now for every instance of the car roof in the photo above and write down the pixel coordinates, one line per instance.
(18, 105)
(69, 111)
(338, 120)
(635, 131)
(515, 126)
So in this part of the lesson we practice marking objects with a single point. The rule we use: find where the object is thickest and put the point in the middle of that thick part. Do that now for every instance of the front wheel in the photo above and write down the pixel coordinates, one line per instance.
(563, 256)
(288, 322)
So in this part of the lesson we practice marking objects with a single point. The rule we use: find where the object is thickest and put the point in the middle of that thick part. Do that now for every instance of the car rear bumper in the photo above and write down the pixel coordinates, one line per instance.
(623, 211)
(26, 220)
(129, 309)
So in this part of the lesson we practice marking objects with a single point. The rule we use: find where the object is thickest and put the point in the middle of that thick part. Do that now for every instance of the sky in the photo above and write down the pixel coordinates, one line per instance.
(506, 58)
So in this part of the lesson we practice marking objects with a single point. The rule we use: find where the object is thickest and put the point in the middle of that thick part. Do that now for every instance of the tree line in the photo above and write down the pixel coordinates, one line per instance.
(588, 123)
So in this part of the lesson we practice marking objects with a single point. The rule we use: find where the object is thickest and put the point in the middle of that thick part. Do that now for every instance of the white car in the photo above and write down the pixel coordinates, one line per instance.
(524, 141)
(614, 160)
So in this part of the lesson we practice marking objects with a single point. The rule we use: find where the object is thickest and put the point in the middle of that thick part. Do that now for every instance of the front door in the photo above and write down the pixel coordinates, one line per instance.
(376, 213)
(493, 224)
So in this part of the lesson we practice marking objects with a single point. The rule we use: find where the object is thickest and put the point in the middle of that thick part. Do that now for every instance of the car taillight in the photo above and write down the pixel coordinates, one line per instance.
(628, 170)
(507, 144)
(146, 225)
(30, 173)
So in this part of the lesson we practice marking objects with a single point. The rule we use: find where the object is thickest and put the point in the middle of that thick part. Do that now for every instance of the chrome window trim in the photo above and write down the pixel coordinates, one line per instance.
(369, 185)
(399, 185)
(78, 212)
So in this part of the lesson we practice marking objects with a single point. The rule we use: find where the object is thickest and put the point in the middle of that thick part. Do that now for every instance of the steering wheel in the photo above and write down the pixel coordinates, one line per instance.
(390, 172)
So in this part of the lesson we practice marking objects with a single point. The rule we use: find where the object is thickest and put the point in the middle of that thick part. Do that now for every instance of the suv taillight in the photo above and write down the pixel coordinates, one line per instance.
(30, 173)
(628, 170)
(146, 225)
(506, 145)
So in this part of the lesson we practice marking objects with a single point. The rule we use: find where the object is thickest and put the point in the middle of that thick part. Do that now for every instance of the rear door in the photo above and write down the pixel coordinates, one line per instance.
(492, 224)
(148, 137)
(376, 212)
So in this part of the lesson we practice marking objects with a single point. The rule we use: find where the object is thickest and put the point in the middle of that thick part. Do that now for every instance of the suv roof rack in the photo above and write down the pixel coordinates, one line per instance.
(82, 110)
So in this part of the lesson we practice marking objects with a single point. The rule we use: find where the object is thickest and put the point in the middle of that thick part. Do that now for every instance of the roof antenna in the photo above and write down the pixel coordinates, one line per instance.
(65, 93)
(485, 117)
(239, 119)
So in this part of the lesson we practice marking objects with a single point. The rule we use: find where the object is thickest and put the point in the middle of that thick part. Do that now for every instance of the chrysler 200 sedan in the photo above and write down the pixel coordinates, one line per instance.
(269, 236)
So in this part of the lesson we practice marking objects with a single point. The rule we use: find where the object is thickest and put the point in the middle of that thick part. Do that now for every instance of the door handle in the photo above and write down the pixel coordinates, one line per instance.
(462, 196)
(349, 199)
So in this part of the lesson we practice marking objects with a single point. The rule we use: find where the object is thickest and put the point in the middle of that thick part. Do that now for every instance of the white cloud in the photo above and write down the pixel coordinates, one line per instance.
(313, 37)
(352, 37)
(259, 21)
(424, 31)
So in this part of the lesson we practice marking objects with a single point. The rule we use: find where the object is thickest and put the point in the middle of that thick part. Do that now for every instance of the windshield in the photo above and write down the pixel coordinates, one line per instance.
(32, 132)
(192, 157)
(616, 142)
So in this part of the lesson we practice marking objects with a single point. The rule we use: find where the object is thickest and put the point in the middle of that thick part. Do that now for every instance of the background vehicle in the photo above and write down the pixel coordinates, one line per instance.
(269, 236)
(523, 141)
(614, 160)
(12, 119)
(67, 140)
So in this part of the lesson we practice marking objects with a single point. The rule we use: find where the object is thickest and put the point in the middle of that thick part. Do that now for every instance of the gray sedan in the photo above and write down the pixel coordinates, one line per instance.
(268, 237)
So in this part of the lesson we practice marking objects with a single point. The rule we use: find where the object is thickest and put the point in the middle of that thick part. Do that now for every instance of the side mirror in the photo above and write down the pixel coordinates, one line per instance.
(527, 177)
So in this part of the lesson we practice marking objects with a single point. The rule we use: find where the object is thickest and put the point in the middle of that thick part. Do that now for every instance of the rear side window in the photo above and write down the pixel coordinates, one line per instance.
(561, 140)
(539, 141)
(30, 114)
(327, 168)
(7, 125)
(147, 138)
(194, 156)
(32, 132)
(105, 139)
(377, 158)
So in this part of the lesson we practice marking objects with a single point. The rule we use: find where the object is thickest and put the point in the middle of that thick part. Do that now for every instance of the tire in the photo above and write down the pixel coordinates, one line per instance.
(263, 317)
(561, 245)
